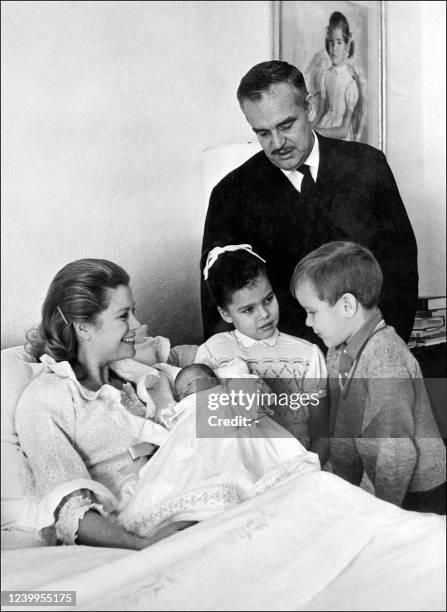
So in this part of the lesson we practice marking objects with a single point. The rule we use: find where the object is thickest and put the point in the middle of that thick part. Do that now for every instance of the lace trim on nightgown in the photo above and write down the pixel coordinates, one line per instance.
(71, 512)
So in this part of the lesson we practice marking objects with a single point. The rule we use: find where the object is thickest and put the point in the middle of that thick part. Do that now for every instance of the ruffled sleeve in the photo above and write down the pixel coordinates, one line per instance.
(352, 95)
(70, 511)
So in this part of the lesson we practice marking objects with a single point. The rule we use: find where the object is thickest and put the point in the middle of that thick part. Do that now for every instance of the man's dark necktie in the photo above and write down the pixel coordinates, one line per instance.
(307, 183)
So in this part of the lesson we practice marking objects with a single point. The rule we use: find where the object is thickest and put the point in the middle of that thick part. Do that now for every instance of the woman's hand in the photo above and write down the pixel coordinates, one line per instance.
(168, 530)
(97, 530)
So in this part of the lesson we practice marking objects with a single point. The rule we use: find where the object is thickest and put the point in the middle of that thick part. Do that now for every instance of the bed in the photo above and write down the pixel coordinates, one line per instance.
(314, 542)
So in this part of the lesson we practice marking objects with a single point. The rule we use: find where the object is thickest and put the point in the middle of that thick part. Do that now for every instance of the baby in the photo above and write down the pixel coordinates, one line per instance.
(233, 377)
(193, 378)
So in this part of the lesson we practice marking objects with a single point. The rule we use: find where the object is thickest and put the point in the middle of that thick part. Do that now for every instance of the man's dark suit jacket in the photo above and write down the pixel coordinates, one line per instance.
(355, 198)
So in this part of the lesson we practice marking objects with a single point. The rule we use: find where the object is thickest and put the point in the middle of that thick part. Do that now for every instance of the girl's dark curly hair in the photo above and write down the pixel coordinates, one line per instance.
(233, 270)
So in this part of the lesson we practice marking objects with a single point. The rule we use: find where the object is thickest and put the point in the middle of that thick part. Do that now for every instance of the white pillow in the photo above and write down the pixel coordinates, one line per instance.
(151, 350)
(18, 504)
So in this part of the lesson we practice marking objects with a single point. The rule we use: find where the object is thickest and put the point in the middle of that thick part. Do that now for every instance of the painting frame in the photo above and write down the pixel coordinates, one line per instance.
(296, 26)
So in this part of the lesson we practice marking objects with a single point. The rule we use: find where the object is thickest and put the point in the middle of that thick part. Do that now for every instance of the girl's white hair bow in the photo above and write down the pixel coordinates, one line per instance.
(214, 254)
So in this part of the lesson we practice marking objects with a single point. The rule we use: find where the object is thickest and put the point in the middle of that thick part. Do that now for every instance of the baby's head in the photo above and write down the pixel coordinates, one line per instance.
(237, 280)
(337, 284)
(193, 378)
(339, 43)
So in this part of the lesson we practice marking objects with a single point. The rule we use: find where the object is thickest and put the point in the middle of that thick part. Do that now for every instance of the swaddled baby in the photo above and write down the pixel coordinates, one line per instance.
(193, 378)
(234, 398)
(220, 465)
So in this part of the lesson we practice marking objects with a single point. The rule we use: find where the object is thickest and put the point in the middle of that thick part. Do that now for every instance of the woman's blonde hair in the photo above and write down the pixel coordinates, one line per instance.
(78, 292)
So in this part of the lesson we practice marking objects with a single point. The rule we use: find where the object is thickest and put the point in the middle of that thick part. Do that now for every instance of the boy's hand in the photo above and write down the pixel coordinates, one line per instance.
(321, 447)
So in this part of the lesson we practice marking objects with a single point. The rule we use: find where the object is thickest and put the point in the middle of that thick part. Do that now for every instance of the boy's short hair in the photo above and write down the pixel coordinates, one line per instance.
(340, 267)
(233, 270)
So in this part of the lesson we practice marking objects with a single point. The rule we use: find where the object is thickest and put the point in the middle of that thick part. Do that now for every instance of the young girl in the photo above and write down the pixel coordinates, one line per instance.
(237, 279)
(340, 85)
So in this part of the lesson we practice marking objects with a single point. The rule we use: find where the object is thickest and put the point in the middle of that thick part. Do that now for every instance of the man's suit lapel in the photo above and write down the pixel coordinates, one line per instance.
(322, 197)
(328, 165)
(340, 204)
(328, 178)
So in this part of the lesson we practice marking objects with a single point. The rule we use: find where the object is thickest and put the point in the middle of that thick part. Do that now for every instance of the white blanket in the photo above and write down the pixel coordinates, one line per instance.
(194, 478)
(312, 543)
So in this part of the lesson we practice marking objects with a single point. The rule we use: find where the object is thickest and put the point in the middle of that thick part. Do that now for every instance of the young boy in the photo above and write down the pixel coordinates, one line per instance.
(381, 419)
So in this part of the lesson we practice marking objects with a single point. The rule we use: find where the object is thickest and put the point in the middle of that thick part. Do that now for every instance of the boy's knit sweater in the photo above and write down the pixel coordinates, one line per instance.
(382, 422)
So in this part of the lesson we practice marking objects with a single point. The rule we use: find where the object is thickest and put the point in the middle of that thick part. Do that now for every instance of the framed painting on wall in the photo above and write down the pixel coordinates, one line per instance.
(339, 48)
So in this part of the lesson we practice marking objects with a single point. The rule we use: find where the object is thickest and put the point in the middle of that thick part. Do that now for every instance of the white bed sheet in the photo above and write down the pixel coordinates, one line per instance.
(313, 543)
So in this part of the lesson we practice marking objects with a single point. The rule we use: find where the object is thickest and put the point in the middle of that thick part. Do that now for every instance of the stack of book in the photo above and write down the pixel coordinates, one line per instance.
(429, 323)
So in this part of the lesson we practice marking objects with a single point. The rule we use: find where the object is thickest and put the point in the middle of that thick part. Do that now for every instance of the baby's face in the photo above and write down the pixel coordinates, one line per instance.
(195, 383)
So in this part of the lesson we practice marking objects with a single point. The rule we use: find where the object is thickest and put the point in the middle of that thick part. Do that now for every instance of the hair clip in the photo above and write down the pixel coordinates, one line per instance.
(62, 315)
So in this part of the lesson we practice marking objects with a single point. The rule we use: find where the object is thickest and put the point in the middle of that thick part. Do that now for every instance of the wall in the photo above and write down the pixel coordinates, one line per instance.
(106, 108)
(415, 142)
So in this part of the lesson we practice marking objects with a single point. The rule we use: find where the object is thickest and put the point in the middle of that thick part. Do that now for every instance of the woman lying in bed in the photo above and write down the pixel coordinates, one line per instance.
(106, 472)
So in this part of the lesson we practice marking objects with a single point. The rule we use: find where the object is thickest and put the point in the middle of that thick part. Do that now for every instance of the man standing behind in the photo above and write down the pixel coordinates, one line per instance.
(304, 190)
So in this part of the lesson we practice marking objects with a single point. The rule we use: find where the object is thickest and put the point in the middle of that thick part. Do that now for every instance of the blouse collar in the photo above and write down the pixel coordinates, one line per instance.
(140, 372)
(248, 343)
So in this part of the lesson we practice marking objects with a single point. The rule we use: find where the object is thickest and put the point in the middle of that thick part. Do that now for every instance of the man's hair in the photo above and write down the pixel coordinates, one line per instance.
(233, 270)
(337, 268)
(259, 79)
